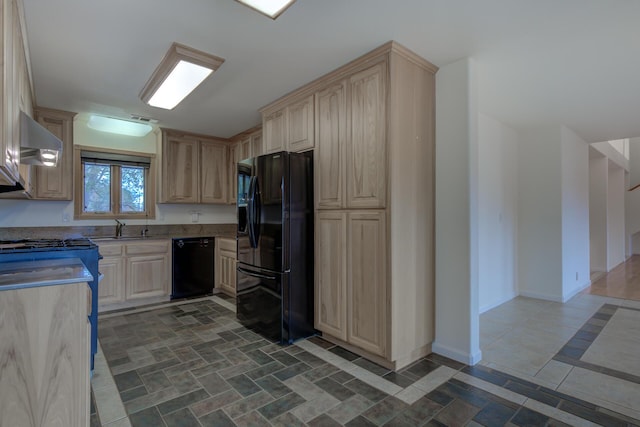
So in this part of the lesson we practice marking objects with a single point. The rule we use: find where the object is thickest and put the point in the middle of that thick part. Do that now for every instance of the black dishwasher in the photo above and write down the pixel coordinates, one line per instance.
(192, 269)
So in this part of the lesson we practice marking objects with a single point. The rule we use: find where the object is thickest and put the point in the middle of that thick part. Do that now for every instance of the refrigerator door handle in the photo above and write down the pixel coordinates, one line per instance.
(254, 274)
(257, 206)
(253, 241)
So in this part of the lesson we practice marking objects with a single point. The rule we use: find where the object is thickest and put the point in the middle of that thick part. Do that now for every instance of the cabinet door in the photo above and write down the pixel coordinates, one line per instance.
(9, 124)
(111, 287)
(245, 149)
(366, 158)
(274, 132)
(233, 173)
(213, 172)
(256, 144)
(180, 170)
(45, 355)
(300, 125)
(228, 272)
(367, 281)
(331, 132)
(330, 274)
(56, 183)
(147, 276)
(225, 266)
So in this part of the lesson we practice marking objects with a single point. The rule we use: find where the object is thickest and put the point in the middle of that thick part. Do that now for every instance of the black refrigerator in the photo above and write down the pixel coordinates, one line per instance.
(275, 245)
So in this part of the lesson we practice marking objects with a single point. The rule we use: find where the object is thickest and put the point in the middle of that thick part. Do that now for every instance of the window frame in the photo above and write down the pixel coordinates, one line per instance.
(115, 193)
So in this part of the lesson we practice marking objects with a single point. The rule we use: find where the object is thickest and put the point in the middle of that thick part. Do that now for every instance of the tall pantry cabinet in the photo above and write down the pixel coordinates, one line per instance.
(374, 198)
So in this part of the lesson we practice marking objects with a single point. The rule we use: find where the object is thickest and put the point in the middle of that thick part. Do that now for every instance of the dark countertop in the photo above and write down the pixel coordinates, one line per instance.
(130, 231)
(46, 272)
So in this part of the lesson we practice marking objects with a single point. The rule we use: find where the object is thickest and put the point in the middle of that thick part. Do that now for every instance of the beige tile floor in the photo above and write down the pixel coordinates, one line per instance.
(522, 336)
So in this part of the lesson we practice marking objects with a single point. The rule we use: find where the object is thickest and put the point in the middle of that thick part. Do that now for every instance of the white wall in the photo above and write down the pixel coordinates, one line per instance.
(553, 213)
(612, 153)
(497, 212)
(632, 198)
(540, 213)
(575, 214)
(30, 213)
(615, 216)
(598, 176)
(457, 320)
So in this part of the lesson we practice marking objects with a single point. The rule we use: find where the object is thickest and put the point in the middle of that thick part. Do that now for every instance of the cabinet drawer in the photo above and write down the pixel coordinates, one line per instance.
(228, 245)
(108, 249)
(147, 248)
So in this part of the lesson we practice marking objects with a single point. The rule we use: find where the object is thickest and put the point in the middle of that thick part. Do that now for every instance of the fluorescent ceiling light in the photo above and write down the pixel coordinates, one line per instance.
(182, 69)
(122, 127)
(271, 8)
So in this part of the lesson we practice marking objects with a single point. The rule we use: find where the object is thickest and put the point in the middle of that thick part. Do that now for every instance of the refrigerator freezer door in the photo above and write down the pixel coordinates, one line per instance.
(259, 302)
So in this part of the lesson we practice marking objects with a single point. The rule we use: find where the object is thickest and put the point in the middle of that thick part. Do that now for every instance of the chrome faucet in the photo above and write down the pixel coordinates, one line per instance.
(119, 227)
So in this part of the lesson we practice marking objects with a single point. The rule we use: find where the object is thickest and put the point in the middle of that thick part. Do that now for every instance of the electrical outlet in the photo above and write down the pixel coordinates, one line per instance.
(576, 276)
(65, 217)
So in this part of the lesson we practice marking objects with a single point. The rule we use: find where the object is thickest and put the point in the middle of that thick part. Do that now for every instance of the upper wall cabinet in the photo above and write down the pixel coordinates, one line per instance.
(289, 127)
(56, 183)
(246, 145)
(213, 173)
(274, 126)
(329, 156)
(15, 89)
(194, 168)
(366, 151)
(300, 125)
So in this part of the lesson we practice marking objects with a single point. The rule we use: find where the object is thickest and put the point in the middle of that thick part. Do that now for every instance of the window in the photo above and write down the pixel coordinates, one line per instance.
(114, 184)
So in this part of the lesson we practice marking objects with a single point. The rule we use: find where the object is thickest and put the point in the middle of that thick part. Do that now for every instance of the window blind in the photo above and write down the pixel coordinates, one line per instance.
(114, 159)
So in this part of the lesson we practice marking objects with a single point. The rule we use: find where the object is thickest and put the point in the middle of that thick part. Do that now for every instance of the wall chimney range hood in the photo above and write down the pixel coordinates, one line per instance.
(38, 146)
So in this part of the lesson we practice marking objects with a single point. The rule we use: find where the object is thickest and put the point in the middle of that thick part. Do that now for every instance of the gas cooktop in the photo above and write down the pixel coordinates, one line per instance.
(24, 245)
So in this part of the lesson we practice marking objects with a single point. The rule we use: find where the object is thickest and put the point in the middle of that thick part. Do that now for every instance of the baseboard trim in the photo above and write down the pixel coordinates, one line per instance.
(460, 356)
(499, 302)
(575, 292)
(546, 297)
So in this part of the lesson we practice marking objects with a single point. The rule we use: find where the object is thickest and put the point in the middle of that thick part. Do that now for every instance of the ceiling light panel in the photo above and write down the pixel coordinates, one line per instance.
(121, 127)
(271, 8)
(182, 70)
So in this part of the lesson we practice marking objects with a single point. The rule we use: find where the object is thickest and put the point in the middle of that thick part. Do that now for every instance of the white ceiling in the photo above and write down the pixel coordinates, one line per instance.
(572, 62)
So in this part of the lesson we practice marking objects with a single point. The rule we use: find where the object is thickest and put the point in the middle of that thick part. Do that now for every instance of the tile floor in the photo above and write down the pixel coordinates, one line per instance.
(192, 364)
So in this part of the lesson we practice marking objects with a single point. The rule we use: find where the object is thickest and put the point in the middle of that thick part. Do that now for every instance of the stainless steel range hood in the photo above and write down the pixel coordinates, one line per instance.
(38, 146)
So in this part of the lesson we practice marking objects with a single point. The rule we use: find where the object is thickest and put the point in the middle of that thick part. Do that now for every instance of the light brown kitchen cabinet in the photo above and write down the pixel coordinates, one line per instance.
(300, 125)
(45, 355)
(330, 152)
(289, 127)
(367, 281)
(56, 183)
(331, 273)
(234, 150)
(179, 170)
(366, 151)
(194, 168)
(134, 269)
(274, 128)
(256, 144)
(351, 283)
(15, 88)
(374, 184)
(112, 268)
(245, 145)
(225, 266)
(213, 174)
(148, 269)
